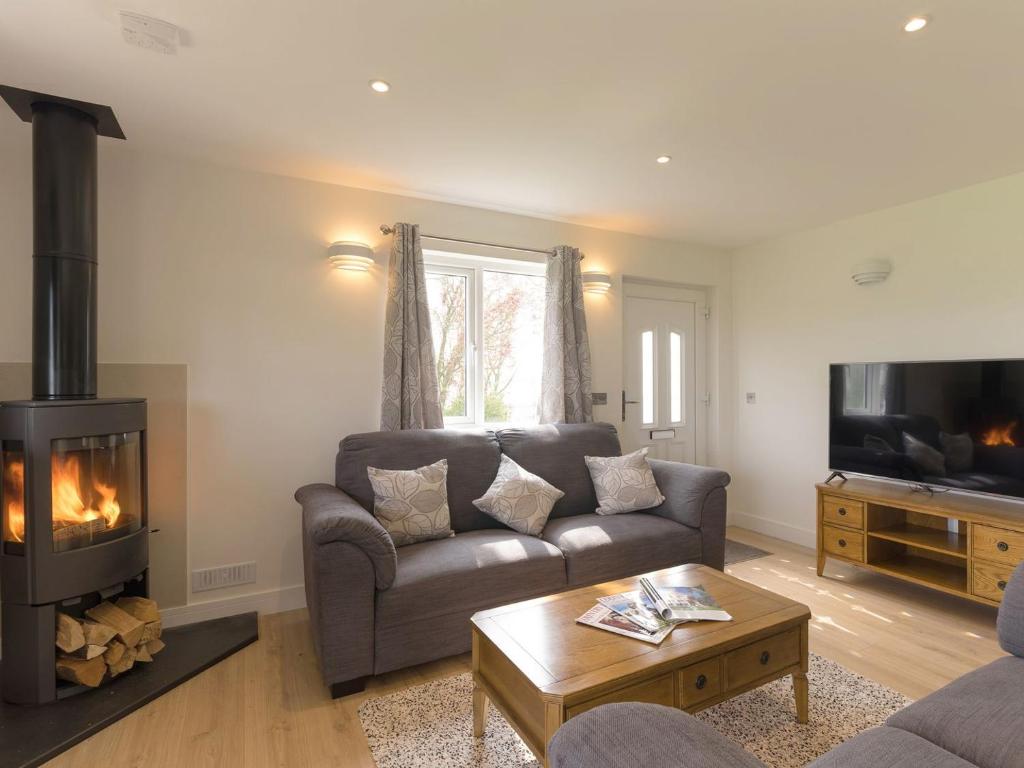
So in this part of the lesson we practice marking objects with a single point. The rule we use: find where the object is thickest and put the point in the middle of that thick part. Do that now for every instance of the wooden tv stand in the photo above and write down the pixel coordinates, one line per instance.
(956, 543)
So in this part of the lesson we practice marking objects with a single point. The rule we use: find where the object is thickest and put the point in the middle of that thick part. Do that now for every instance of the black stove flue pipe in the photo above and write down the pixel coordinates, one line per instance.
(64, 282)
(64, 265)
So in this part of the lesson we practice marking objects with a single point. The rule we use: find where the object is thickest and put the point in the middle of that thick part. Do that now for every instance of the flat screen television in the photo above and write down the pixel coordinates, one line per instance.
(958, 425)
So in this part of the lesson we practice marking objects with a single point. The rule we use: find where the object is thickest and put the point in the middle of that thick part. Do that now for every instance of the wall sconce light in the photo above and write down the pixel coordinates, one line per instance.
(596, 282)
(352, 257)
(871, 271)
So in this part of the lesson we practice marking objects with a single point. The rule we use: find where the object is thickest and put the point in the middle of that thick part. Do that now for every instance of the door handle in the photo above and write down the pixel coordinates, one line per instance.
(626, 402)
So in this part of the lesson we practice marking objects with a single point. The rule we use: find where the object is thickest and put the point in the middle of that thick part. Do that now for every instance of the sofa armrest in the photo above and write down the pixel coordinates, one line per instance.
(1010, 624)
(627, 735)
(695, 497)
(687, 488)
(330, 515)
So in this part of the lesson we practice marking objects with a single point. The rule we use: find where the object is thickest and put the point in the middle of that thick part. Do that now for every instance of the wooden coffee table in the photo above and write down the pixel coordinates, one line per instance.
(539, 667)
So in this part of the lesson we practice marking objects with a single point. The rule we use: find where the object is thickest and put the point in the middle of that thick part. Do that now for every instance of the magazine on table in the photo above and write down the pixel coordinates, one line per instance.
(605, 618)
(632, 607)
(675, 604)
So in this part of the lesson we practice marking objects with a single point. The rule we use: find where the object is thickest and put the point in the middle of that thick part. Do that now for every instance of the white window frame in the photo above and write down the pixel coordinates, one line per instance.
(472, 268)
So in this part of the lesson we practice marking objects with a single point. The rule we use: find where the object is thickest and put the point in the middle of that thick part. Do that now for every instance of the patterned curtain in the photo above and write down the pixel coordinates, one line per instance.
(410, 398)
(565, 379)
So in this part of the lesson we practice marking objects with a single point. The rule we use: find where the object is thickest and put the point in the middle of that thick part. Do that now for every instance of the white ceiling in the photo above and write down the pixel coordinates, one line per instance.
(779, 114)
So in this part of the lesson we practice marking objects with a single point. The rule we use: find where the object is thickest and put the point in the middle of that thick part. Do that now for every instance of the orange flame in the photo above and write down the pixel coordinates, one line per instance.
(69, 506)
(1000, 435)
(14, 487)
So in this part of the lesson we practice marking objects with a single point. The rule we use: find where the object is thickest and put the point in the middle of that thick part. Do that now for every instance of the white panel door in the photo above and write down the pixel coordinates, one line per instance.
(661, 397)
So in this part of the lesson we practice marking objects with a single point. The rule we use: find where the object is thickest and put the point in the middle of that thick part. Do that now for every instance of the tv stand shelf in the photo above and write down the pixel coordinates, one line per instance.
(956, 543)
(922, 536)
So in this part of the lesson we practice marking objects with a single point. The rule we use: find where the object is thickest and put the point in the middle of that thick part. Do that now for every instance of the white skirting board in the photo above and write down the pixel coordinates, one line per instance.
(803, 536)
(271, 601)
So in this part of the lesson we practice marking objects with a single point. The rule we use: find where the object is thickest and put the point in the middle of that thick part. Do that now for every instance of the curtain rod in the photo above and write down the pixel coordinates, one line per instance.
(384, 228)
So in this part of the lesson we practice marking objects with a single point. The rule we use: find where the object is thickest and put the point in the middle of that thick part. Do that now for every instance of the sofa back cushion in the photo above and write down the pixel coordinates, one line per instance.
(472, 464)
(555, 452)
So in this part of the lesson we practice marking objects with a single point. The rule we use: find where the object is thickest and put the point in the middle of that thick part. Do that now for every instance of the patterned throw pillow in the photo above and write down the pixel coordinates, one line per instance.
(519, 499)
(412, 504)
(623, 483)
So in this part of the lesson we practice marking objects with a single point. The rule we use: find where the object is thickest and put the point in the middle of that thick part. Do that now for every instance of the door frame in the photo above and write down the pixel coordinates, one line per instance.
(633, 288)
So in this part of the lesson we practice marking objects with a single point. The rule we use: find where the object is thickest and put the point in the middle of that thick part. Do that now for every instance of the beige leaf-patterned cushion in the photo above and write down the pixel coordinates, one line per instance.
(623, 483)
(412, 504)
(519, 499)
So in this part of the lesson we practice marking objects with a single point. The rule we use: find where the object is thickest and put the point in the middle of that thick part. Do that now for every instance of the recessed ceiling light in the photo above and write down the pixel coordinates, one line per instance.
(380, 86)
(916, 24)
(662, 159)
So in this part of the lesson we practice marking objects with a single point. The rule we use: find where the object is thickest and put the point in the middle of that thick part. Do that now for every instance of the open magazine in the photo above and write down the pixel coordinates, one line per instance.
(630, 606)
(605, 618)
(675, 604)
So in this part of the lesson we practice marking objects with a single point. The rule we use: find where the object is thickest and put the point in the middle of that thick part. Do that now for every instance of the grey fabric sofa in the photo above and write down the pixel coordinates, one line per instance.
(977, 720)
(374, 609)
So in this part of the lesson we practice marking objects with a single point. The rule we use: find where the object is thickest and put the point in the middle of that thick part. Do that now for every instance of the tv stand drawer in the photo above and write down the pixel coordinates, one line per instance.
(839, 511)
(843, 543)
(998, 545)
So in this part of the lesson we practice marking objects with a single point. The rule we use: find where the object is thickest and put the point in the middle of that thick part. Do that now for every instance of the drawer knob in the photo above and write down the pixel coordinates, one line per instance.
(842, 511)
(765, 656)
(1002, 546)
(842, 542)
(1002, 585)
(701, 682)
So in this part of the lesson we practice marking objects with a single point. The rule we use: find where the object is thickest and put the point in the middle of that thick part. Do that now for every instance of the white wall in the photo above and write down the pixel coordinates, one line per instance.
(956, 291)
(226, 271)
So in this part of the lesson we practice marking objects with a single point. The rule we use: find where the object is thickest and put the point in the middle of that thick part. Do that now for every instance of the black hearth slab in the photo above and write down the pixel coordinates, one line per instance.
(31, 735)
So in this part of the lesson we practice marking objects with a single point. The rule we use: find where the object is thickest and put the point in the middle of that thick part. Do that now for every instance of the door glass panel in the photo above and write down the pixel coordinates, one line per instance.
(96, 489)
(675, 361)
(12, 496)
(647, 377)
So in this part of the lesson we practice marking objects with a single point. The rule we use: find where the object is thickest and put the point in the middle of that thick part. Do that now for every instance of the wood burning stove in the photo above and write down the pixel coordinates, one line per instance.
(72, 467)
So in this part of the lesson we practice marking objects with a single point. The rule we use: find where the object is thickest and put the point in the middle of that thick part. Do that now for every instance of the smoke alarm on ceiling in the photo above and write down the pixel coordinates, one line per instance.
(149, 33)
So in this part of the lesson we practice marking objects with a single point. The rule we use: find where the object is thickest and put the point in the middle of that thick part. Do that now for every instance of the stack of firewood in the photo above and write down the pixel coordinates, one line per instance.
(108, 640)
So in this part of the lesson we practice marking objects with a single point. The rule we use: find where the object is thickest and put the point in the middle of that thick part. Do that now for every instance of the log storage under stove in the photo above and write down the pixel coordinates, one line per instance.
(73, 495)
(108, 641)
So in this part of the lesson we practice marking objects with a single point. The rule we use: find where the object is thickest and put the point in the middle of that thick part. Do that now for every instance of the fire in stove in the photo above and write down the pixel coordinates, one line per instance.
(1001, 434)
(14, 495)
(94, 491)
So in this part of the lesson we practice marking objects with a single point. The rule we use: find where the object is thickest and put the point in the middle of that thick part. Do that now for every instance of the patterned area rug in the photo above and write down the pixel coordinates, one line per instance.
(430, 725)
(735, 552)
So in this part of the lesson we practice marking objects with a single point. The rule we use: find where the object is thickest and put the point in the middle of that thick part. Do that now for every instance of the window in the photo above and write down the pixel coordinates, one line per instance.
(487, 321)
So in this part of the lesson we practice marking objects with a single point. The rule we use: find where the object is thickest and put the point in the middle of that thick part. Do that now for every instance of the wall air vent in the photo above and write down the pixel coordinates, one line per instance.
(149, 33)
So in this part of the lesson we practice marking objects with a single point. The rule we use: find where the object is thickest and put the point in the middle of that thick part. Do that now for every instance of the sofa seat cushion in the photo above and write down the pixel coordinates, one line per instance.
(888, 748)
(977, 717)
(468, 572)
(605, 547)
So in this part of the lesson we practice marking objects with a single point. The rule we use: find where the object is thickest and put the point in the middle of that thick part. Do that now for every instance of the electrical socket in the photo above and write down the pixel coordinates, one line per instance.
(751, 398)
(223, 576)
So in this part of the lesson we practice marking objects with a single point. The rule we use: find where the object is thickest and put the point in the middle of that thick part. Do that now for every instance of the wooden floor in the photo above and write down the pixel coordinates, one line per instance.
(267, 707)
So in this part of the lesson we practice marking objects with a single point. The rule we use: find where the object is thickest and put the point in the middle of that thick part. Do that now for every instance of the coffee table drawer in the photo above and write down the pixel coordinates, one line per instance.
(998, 545)
(844, 543)
(700, 682)
(840, 511)
(658, 690)
(761, 659)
